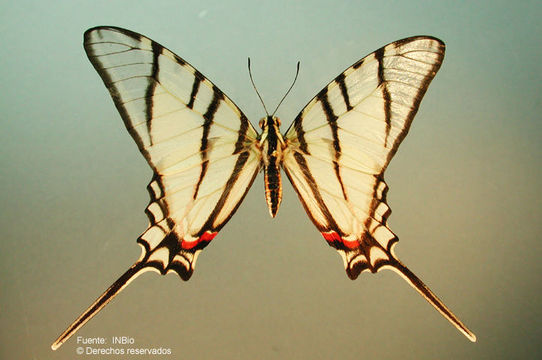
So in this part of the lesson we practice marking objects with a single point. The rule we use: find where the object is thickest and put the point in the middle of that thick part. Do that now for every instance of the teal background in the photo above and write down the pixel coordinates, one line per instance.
(464, 187)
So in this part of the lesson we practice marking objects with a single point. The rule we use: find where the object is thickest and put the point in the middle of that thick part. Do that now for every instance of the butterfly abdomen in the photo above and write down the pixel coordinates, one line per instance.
(273, 187)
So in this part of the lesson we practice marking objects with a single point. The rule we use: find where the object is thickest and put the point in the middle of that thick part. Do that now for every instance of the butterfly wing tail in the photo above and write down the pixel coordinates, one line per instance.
(431, 298)
(137, 269)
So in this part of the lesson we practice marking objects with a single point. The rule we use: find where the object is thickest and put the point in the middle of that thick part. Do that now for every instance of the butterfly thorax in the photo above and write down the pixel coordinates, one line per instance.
(271, 145)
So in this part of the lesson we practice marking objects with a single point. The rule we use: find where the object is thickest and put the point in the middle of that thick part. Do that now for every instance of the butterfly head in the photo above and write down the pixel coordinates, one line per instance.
(269, 120)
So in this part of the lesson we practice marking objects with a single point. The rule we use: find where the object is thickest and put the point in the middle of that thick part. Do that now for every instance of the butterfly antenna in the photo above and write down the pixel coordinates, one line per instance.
(287, 92)
(255, 89)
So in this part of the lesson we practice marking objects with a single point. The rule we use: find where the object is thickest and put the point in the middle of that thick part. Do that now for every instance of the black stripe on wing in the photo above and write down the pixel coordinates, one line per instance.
(332, 121)
(344, 92)
(315, 191)
(208, 116)
(195, 89)
(156, 52)
(379, 55)
(234, 177)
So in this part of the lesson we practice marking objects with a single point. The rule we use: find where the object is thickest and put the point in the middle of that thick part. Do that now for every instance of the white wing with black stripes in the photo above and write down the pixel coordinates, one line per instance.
(343, 140)
(339, 146)
(200, 146)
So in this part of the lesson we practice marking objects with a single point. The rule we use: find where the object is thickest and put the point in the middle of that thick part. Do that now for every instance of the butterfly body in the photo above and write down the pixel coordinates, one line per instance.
(272, 145)
(205, 154)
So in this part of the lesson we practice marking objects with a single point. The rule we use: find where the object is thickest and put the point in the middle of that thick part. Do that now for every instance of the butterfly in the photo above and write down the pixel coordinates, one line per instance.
(205, 154)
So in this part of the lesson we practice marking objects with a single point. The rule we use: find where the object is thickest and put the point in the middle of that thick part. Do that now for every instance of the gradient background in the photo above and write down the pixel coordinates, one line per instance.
(464, 187)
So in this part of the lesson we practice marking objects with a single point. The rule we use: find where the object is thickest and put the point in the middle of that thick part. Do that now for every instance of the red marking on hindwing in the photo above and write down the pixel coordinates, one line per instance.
(332, 236)
(206, 237)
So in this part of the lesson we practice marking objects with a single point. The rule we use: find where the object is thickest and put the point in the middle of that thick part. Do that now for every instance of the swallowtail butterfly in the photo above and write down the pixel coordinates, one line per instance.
(205, 154)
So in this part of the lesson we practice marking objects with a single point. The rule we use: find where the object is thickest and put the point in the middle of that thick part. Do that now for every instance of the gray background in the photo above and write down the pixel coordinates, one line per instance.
(464, 187)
